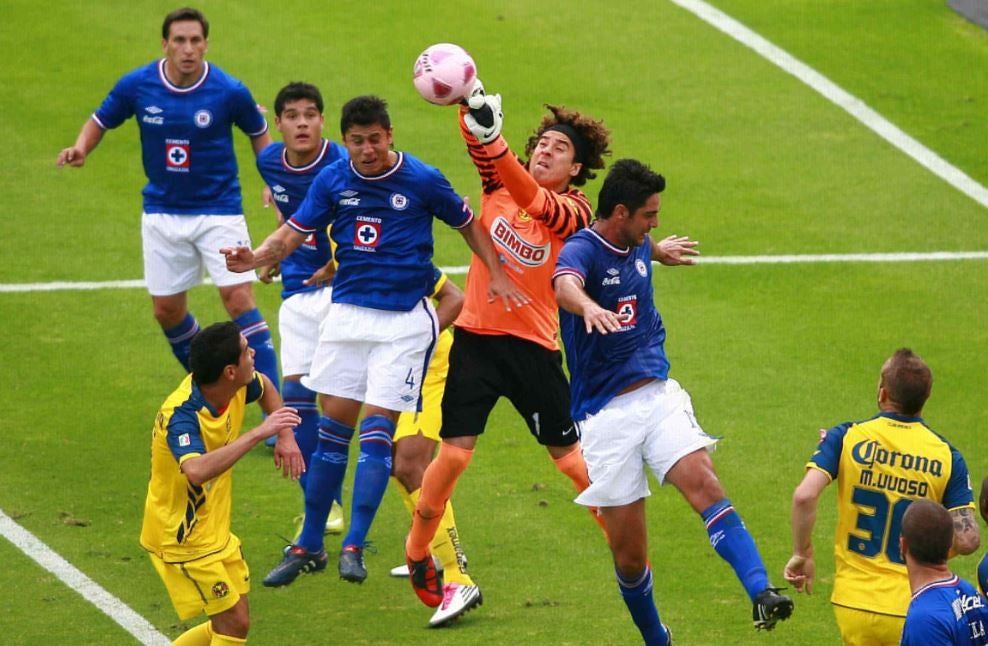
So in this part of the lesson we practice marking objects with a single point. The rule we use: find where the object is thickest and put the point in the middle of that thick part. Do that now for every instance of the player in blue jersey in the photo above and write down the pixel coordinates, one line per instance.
(185, 109)
(629, 412)
(376, 340)
(880, 465)
(944, 608)
(983, 565)
(288, 169)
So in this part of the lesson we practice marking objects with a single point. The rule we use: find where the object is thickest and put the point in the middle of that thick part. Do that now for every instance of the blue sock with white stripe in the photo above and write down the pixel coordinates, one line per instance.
(732, 541)
(180, 338)
(303, 400)
(371, 480)
(255, 328)
(637, 595)
(326, 472)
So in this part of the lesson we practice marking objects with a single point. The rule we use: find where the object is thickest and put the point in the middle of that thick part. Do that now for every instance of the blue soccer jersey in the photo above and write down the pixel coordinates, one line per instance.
(382, 226)
(289, 185)
(186, 137)
(620, 280)
(881, 465)
(946, 612)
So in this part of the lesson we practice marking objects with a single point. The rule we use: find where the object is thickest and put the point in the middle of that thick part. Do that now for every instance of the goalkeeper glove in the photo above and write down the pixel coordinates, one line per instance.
(484, 118)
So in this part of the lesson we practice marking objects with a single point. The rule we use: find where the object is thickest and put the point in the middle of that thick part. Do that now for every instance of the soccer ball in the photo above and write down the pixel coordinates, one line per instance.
(444, 74)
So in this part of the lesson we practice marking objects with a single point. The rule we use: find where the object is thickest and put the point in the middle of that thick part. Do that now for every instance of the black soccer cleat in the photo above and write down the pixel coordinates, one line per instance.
(352, 567)
(297, 561)
(770, 607)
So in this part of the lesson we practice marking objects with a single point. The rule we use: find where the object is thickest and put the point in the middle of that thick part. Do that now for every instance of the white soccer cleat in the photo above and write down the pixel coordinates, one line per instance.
(457, 600)
(335, 523)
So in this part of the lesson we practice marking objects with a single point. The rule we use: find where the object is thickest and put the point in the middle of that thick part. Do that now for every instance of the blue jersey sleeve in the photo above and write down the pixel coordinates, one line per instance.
(827, 454)
(446, 204)
(246, 114)
(317, 210)
(958, 492)
(574, 259)
(184, 436)
(255, 388)
(118, 106)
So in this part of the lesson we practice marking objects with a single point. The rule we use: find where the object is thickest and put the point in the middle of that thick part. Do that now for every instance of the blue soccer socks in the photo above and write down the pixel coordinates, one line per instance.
(371, 479)
(255, 328)
(180, 338)
(326, 471)
(637, 595)
(732, 541)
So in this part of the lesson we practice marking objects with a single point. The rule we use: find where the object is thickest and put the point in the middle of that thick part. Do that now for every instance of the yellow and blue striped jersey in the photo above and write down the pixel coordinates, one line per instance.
(183, 522)
(881, 465)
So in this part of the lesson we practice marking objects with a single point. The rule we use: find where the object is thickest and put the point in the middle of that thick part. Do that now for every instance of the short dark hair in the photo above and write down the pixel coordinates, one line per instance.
(596, 139)
(364, 110)
(212, 350)
(908, 381)
(630, 183)
(297, 91)
(184, 14)
(929, 531)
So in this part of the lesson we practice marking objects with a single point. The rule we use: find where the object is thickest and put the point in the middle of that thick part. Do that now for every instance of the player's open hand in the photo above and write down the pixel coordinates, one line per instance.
(597, 318)
(238, 259)
(800, 571)
(288, 457)
(675, 250)
(502, 287)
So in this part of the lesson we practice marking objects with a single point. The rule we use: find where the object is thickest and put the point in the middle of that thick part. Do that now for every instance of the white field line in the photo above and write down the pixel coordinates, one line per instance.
(833, 93)
(459, 270)
(114, 608)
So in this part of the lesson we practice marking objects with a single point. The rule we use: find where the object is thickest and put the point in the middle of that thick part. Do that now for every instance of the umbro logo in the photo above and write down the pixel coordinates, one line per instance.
(153, 109)
(613, 271)
(278, 188)
(348, 193)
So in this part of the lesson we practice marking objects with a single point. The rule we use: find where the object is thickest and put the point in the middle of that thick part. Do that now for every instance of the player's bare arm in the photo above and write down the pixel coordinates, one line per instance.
(675, 250)
(449, 302)
(260, 142)
(801, 570)
(571, 296)
(207, 466)
(323, 275)
(500, 286)
(89, 137)
(274, 249)
(967, 536)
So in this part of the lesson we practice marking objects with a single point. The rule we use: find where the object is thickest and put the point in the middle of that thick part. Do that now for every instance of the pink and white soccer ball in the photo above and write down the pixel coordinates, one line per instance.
(444, 73)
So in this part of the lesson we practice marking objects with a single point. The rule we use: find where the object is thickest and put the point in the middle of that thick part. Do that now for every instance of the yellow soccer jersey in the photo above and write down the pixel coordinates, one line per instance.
(881, 465)
(181, 521)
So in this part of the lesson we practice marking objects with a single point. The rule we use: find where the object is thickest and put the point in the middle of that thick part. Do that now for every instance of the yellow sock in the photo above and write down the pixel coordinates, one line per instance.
(445, 544)
(226, 640)
(197, 636)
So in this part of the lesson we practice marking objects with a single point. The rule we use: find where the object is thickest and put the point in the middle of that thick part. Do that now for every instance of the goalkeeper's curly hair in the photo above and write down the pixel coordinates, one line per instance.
(593, 131)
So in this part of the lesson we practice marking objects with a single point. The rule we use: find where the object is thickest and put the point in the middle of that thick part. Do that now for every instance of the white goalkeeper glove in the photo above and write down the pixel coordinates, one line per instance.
(485, 117)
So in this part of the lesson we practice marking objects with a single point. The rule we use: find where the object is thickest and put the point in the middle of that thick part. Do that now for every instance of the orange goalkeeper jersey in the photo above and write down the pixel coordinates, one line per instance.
(528, 225)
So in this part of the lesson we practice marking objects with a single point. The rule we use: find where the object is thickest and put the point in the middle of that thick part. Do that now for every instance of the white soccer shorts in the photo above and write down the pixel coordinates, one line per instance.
(298, 324)
(178, 248)
(374, 356)
(653, 425)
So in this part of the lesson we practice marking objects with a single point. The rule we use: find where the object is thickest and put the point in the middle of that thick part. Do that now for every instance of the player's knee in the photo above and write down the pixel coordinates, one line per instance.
(234, 622)
(408, 473)
(237, 299)
(629, 564)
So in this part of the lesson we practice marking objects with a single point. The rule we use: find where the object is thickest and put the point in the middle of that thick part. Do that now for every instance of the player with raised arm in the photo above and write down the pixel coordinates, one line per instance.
(378, 335)
(288, 169)
(185, 109)
(630, 413)
(880, 465)
(195, 442)
(944, 608)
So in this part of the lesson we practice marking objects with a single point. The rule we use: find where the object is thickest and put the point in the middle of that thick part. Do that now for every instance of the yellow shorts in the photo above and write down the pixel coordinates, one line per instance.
(430, 419)
(210, 585)
(863, 628)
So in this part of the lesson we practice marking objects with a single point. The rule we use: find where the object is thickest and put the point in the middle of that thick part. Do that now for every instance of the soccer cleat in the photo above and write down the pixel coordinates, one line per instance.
(668, 634)
(426, 581)
(457, 600)
(352, 564)
(335, 523)
(770, 607)
(401, 571)
(297, 560)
